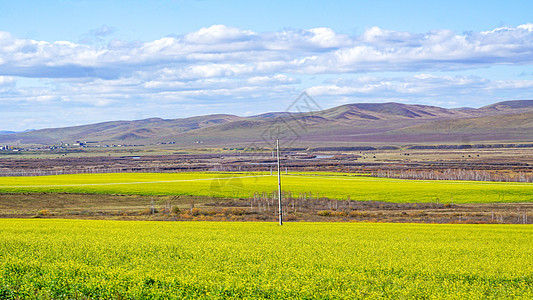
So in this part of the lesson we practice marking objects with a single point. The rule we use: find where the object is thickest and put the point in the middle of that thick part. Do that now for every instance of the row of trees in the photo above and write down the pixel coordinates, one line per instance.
(456, 174)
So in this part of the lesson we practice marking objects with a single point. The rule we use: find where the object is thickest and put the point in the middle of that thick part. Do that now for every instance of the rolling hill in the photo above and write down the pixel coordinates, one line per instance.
(507, 127)
(118, 131)
(350, 123)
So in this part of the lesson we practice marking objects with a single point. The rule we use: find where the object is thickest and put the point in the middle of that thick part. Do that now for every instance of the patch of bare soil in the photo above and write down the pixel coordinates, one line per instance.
(184, 208)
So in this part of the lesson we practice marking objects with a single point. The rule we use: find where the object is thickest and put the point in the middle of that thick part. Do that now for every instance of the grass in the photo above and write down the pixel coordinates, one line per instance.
(74, 259)
(244, 185)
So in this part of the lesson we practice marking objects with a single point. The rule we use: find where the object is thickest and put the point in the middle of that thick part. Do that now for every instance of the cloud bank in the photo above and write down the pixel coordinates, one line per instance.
(312, 51)
(221, 65)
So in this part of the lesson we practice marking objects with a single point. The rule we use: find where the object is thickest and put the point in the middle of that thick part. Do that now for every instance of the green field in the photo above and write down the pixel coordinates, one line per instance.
(74, 259)
(244, 185)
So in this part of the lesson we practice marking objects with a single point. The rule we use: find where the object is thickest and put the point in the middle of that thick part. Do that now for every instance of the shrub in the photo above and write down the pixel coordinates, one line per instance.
(338, 214)
(324, 213)
(234, 211)
(44, 212)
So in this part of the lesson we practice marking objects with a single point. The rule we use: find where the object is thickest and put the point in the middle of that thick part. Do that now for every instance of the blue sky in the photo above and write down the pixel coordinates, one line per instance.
(75, 62)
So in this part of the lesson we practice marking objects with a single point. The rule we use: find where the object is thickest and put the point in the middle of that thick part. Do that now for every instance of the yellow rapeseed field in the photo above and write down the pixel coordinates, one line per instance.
(74, 259)
(340, 186)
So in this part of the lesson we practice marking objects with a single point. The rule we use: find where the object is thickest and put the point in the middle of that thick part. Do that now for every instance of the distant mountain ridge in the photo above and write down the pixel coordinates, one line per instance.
(511, 104)
(3, 132)
(6, 132)
(346, 124)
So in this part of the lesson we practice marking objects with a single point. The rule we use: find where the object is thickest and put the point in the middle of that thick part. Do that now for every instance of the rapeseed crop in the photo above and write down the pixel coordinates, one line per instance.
(74, 259)
(242, 185)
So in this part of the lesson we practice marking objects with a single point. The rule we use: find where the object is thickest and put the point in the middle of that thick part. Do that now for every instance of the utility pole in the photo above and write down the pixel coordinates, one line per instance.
(279, 186)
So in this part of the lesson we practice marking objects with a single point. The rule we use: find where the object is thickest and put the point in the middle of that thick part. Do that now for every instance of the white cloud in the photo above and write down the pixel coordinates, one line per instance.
(6, 86)
(421, 88)
(7, 80)
(225, 65)
(327, 38)
(218, 34)
(379, 36)
(317, 50)
(528, 27)
(271, 80)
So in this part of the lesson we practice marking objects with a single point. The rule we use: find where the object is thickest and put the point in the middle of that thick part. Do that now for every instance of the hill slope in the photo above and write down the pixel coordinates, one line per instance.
(119, 131)
(507, 127)
(350, 123)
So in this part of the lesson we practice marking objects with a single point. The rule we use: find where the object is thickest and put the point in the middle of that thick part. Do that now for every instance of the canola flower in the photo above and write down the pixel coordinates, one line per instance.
(80, 259)
(242, 185)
